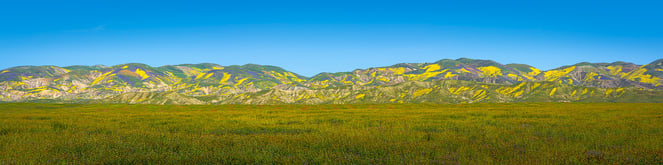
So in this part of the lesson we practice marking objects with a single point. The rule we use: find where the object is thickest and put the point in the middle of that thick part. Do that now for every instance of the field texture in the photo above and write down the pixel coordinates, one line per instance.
(523, 133)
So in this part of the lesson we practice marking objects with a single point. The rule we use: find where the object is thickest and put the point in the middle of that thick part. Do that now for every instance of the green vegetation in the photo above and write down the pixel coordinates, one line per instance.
(523, 133)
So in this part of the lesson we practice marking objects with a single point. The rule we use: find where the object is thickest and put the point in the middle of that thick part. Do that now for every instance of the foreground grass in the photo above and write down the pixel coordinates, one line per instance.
(525, 133)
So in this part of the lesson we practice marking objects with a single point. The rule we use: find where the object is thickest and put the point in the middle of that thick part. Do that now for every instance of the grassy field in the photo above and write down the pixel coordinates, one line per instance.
(523, 133)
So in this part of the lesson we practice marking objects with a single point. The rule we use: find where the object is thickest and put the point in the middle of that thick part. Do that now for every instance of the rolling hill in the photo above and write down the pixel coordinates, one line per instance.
(445, 81)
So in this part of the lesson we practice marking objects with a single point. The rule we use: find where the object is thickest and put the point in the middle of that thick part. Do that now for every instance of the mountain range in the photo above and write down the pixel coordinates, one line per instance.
(445, 81)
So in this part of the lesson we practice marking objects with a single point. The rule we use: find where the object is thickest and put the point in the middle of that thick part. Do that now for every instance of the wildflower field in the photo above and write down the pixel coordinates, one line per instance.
(515, 133)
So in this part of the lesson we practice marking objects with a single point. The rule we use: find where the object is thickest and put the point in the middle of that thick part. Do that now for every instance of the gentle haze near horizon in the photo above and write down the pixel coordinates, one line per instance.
(309, 37)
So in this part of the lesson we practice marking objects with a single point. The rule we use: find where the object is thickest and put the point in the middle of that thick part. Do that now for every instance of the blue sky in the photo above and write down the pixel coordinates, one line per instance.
(309, 37)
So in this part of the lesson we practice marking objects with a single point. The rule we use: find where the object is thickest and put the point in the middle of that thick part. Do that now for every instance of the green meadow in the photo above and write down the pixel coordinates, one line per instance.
(515, 133)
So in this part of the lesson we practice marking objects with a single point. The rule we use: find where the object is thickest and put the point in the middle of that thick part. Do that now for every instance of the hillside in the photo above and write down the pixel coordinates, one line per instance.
(445, 81)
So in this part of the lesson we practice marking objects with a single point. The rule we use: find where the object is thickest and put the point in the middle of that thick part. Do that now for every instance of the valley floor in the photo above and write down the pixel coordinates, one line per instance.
(517, 133)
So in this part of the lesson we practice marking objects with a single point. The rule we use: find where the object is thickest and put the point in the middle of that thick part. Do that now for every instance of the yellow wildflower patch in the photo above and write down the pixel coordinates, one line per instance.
(639, 75)
(556, 74)
(479, 94)
(459, 90)
(607, 92)
(240, 81)
(508, 90)
(142, 74)
(530, 75)
(208, 75)
(72, 89)
(382, 78)
(420, 92)
(463, 70)
(515, 77)
(432, 67)
(102, 77)
(615, 70)
(534, 71)
(225, 78)
(491, 71)
(200, 75)
(552, 92)
(449, 75)
(399, 70)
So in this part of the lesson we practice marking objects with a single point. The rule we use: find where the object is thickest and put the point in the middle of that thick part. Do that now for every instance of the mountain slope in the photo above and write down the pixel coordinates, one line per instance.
(445, 91)
(443, 81)
(152, 98)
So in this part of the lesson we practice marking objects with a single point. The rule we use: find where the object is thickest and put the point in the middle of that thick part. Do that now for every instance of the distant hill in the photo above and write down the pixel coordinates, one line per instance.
(445, 81)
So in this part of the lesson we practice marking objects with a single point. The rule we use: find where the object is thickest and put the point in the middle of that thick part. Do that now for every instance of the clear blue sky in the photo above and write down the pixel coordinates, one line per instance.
(314, 36)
